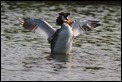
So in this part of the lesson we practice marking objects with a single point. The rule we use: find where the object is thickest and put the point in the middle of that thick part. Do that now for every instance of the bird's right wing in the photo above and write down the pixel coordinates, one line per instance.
(38, 26)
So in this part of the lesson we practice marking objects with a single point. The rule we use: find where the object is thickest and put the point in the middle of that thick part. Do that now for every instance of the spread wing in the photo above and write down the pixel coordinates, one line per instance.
(80, 26)
(38, 26)
(77, 27)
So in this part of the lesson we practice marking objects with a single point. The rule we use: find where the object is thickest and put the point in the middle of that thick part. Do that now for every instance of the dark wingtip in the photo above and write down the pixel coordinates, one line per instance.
(98, 24)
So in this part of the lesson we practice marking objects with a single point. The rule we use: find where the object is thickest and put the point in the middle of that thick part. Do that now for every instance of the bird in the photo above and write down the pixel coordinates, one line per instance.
(60, 39)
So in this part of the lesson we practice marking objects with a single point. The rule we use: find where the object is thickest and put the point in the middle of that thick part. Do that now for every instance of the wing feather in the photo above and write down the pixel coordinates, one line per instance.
(39, 26)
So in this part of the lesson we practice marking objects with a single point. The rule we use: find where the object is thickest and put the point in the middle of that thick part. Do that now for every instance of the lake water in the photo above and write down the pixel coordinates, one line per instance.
(94, 57)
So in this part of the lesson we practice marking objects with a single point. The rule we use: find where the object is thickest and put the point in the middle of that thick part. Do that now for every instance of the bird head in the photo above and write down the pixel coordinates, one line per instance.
(63, 18)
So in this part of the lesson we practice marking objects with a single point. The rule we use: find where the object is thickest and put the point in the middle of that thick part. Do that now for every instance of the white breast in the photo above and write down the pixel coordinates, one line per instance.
(63, 44)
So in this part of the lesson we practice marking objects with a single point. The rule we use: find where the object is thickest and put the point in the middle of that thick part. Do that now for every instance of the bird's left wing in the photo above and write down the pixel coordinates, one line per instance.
(82, 26)
(77, 27)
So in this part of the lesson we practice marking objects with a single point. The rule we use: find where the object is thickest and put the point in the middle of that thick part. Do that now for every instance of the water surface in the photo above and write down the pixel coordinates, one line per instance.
(94, 57)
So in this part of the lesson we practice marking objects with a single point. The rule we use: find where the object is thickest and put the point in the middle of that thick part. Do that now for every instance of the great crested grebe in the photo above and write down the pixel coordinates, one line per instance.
(61, 39)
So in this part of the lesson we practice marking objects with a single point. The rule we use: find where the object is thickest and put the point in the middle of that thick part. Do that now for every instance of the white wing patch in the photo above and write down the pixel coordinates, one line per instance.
(77, 27)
